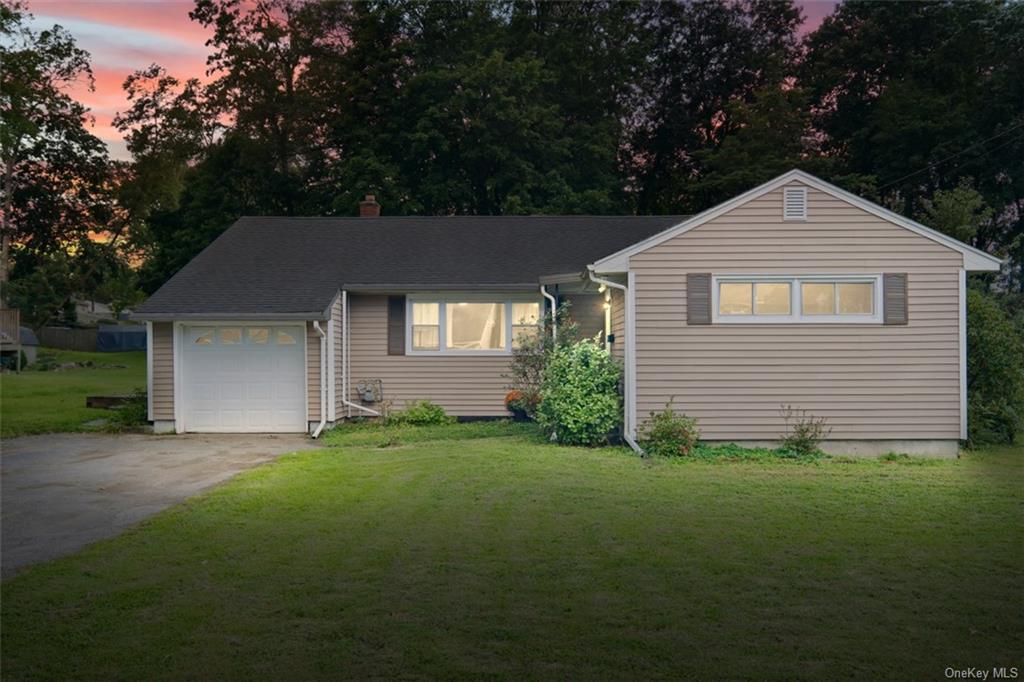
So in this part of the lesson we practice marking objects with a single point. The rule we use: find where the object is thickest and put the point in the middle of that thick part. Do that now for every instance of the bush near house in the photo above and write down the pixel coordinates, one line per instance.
(580, 394)
(995, 372)
(804, 432)
(421, 413)
(669, 434)
(530, 358)
(133, 414)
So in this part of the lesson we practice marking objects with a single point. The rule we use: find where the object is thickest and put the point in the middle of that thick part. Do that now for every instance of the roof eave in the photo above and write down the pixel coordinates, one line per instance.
(217, 316)
(974, 259)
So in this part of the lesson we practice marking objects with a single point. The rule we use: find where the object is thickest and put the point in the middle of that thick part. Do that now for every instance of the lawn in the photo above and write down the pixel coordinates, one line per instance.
(425, 554)
(46, 402)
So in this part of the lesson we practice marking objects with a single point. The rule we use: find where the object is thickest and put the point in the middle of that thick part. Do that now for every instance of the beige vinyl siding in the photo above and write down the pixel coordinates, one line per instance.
(587, 311)
(313, 372)
(618, 324)
(163, 371)
(336, 313)
(470, 386)
(869, 381)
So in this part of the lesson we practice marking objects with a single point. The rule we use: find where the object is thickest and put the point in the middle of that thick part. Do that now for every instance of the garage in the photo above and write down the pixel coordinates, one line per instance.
(244, 378)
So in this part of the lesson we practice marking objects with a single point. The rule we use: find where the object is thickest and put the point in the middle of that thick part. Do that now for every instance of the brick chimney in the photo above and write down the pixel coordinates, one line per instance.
(369, 208)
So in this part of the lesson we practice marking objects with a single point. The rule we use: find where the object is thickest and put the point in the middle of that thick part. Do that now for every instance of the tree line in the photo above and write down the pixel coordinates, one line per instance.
(505, 107)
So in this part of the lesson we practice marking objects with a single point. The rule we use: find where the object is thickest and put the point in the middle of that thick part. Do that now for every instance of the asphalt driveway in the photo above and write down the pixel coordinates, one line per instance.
(62, 491)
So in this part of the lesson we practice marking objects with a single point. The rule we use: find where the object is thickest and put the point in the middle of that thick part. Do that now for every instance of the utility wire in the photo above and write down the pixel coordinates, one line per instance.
(953, 156)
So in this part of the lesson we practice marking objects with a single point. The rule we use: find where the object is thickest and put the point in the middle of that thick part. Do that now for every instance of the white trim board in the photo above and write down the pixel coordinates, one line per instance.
(974, 259)
(149, 370)
(962, 340)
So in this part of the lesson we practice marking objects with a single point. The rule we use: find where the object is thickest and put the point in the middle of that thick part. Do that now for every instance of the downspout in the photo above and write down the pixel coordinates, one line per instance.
(345, 361)
(607, 317)
(554, 312)
(323, 379)
(627, 418)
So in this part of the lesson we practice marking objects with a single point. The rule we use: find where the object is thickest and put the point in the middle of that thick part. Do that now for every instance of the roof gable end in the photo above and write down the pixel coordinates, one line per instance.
(974, 259)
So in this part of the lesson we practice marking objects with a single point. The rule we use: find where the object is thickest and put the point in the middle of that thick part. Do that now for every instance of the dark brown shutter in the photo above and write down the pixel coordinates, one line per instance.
(698, 298)
(894, 298)
(396, 325)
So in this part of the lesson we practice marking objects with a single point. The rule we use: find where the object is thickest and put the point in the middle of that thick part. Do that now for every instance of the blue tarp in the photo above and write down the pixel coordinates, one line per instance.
(115, 337)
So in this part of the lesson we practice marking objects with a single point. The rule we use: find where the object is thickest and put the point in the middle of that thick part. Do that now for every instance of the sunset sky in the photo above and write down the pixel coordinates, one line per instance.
(124, 36)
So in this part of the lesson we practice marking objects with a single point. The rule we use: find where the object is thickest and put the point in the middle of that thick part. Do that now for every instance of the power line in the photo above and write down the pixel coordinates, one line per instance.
(953, 156)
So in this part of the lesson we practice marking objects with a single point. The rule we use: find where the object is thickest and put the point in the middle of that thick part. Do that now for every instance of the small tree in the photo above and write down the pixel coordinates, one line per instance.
(530, 356)
(579, 395)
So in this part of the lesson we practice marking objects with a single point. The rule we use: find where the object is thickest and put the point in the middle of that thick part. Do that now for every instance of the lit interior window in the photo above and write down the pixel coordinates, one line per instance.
(525, 322)
(426, 326)
(771, 298)
(735, 298)
(856, 298)
(818, 298)
(475, 326)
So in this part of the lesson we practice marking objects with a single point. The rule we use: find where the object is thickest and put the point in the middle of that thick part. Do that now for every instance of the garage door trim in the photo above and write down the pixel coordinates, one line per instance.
(179, 356)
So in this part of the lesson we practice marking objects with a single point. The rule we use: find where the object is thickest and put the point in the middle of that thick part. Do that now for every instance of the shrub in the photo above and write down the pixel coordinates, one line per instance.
(421, 413)
(521, 406)
(804, 432)
(530, 358)
(133, 413)
(995, 373)
(669, 434)
(579, 395)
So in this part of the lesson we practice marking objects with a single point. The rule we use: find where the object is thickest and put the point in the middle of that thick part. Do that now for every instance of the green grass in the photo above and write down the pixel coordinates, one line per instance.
(504, 556)
(370, 433)
(47, 402)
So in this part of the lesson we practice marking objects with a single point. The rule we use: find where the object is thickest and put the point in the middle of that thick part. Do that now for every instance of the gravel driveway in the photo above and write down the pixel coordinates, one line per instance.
(62, 491)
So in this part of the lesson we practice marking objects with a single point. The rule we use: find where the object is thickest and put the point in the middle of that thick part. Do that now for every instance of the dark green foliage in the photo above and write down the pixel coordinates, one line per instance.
(896, 88)
(669, 434)
(421, 413)
(731, 452)
(700, 59)
(132, 414)
(580, 400)
(995, 372)
(531, 356)
(804, 432)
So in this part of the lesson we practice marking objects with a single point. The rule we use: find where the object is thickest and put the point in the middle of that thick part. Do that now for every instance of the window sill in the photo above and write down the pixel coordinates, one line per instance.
(807, 321)
(459, 353)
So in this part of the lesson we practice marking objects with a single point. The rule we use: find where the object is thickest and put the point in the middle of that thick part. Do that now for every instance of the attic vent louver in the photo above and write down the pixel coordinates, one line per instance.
(794, 203)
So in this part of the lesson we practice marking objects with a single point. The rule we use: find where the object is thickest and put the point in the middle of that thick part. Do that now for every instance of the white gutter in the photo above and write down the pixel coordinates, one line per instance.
(554, 311)
(345, 361)
(323, 379)
(628, 428)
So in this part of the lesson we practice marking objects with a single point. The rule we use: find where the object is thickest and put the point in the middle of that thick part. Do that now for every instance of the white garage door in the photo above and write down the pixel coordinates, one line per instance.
(245, 378)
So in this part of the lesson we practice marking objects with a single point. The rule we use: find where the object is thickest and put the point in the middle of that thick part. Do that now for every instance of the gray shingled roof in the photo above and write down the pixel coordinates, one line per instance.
(294, 266)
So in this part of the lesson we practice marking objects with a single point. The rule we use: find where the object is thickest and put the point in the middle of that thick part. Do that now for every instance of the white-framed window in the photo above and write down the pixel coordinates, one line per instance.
(803, 299)
(469, 324)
